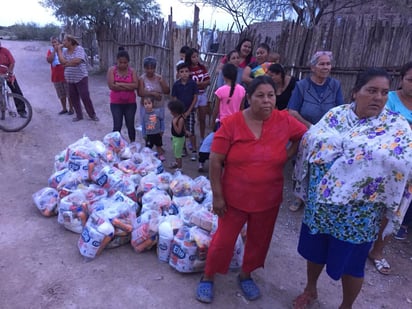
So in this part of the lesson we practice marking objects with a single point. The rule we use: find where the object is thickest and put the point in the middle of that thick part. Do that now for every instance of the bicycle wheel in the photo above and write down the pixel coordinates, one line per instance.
(10, 120)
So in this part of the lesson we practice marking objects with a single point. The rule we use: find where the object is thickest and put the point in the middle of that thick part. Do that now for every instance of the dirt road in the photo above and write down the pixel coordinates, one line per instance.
(40, 265)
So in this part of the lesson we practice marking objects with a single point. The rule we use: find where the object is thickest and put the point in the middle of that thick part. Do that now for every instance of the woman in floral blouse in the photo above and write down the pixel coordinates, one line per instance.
(354, 167)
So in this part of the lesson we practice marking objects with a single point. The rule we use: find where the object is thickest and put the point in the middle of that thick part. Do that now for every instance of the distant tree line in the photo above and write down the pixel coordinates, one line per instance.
(30, 31)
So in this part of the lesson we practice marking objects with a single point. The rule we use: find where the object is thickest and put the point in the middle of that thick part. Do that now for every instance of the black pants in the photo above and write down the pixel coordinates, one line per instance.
(128, 112)
(203, 156)
(15, 88)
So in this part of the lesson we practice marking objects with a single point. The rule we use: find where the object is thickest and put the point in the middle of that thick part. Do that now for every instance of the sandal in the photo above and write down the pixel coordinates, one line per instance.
(173, 165)
(304, 300)
(381, 265)
(296, 205)
(62, 112)
(70, 112)
(204, 291)
(249, 288)
(75, 119)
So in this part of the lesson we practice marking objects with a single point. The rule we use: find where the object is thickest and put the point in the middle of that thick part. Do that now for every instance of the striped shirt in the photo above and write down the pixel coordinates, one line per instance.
(76, 73)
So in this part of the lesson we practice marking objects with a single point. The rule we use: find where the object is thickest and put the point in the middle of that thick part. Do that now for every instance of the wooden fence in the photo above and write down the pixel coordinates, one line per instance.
(356, 42)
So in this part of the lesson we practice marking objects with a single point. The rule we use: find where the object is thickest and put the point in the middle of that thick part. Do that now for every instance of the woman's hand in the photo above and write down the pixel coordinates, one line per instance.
(219, 206)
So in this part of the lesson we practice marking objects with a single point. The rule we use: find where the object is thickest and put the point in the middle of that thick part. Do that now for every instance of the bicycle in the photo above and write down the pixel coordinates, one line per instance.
(10, 120)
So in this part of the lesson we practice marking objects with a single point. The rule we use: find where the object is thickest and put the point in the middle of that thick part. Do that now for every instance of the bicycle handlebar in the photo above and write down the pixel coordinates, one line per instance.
(4, 75)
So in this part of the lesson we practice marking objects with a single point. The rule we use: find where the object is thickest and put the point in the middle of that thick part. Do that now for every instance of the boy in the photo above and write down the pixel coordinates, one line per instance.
(154, 126)
(185, 90)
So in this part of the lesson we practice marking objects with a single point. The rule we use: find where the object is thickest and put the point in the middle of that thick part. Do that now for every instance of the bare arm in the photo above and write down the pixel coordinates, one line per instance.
(216, 109)
(242, 104)
(178, 125)
(299, 117)
(50, 56)
(191, 106)
(215, 174)
(292, 149)
(165, 87)
(246, 75)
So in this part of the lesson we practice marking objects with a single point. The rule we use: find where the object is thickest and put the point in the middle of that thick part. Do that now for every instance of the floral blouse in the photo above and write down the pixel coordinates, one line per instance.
(368, 162)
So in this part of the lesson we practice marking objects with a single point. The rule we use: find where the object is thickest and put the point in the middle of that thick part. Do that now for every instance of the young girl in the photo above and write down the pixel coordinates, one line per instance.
(199, 73)
(230, 98)
(154, 126)
(233, 58)
(178, 131)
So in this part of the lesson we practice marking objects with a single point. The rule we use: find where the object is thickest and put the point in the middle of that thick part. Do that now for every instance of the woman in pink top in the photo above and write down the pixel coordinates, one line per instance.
(122, 81)
(230, 98)
(245, 50)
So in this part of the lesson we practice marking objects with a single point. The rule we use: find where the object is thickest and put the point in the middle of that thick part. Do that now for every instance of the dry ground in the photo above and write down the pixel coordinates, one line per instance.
(40, 266)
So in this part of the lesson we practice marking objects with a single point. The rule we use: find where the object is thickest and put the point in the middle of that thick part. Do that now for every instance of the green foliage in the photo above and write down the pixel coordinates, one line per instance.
(99, 13)
(32, 31)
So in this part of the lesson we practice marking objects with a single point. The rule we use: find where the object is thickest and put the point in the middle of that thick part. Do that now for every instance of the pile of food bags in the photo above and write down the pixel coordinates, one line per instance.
(114, 193)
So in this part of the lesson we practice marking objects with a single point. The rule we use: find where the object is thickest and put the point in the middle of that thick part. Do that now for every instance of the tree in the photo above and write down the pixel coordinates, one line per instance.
(244, 12)
(308, 12)
(100, 15)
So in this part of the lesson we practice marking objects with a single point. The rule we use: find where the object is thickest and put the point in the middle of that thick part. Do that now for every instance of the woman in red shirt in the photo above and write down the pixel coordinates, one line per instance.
(252, 147)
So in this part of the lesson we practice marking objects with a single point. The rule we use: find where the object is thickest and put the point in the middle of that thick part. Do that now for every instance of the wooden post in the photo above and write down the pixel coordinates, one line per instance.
(195, 27)
(171, 57)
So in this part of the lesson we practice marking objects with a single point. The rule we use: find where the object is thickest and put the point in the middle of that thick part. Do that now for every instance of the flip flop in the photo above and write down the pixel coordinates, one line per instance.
(204, 291)
(304, 300)
(381, 265)
(249, 288)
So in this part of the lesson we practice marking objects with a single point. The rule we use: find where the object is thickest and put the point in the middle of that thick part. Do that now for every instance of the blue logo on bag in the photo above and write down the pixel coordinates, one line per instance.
(85, 235)
(102, 180)
(176, 250)
(95, 243)
(74, 166)
(163, 246)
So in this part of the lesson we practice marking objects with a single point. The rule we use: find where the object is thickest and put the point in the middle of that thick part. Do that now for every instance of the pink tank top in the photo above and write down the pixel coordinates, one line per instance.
(123, 97)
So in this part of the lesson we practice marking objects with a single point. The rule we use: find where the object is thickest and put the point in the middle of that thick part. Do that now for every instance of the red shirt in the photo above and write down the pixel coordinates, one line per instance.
(57, 70)
(6, 58)
(199, 74)
(252, 180)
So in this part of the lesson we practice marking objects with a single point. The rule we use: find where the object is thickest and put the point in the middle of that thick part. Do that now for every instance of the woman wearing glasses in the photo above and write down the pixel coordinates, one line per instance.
(314, 96)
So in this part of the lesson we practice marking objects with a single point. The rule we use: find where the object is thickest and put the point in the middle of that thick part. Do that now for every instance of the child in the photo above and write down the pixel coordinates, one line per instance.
(178, 131)
(204, 151)
(230, 98)
(263, 68)
(154, 126)
(185, 90)
(199, 73)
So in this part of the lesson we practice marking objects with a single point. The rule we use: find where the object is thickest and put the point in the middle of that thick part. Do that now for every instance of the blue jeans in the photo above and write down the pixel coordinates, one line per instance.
(128, 112)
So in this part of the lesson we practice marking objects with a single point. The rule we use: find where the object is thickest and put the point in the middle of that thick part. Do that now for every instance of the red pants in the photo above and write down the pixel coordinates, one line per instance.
(260, 227)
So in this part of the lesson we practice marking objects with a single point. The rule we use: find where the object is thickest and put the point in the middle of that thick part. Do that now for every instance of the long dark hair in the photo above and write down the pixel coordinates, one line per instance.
(188, 57)
(229, 71)
(239, 45)
(278, 68)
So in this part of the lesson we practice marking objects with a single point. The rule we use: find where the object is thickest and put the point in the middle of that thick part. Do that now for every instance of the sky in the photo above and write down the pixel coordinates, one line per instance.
(25, 11)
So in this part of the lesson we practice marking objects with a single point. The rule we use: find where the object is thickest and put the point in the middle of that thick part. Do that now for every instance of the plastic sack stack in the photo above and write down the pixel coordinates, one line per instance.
(113, 193)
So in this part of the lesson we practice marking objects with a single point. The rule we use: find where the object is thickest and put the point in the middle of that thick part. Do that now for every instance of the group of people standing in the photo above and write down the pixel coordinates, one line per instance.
(352, 171)
(352, 162)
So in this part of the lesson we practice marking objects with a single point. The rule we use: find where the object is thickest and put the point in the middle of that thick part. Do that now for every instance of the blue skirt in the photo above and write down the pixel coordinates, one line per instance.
(340, 257)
